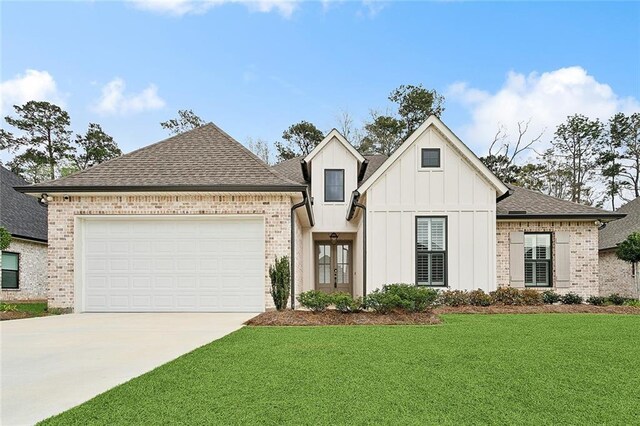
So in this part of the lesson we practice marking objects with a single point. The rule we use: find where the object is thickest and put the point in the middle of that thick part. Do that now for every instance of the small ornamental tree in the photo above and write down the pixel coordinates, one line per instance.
(629, 249)
(280, 275)
(5, 238)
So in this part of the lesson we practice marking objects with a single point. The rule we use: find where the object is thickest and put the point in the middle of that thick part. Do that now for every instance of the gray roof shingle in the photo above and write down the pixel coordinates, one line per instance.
(616, 232)
(523, 203)
(22, 215)
(205, 158)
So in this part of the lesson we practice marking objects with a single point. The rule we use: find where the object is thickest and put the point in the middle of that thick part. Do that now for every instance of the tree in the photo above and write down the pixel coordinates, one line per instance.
(383, 135)
(554, 174)
(45, 138)
(186, 120)
(630, 150)
(96, 147)
(629, 249)
(299, 139)
(576, 142)
(261, 148)
(416, 104)
(346, 127)
(30, 166)
(609, 157)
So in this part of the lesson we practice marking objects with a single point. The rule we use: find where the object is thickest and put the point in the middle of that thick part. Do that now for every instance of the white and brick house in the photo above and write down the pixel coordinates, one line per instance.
(193, 223)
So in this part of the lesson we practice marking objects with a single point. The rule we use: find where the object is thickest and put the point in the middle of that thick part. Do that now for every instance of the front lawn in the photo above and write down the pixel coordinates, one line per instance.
(499, 369)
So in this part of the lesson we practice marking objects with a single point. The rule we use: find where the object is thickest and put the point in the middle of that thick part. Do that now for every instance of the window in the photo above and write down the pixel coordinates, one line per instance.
(537, 260)
(10, 270)
(431, 251)
(334, 185)
(430, 158)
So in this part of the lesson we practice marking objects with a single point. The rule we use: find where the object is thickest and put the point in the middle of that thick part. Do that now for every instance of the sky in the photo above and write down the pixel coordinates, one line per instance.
(254, 68)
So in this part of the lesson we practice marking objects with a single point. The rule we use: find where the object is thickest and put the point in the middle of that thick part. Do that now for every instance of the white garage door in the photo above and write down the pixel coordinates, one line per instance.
(173, 264)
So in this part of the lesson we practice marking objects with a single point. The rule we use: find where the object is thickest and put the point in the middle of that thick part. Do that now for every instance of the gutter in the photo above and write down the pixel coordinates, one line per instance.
(524, 216)
(355, 196)
(363, 170)
(306, 201)
(305, 171)
(505, 195)
(161, 188)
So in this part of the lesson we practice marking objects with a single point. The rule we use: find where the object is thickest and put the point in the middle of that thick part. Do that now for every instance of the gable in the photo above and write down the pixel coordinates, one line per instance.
(334, 136)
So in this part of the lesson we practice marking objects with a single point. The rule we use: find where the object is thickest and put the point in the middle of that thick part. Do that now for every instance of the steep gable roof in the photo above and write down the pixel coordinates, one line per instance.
(334, 134)
(203, 159)
(528, 204)
(616, 232)
(23, 216)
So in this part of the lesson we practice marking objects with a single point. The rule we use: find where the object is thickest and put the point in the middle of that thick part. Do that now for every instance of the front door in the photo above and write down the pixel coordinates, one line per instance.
(333, 267)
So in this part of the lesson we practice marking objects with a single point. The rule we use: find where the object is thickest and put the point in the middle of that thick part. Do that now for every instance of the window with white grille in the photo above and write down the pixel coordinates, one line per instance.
(431, 251)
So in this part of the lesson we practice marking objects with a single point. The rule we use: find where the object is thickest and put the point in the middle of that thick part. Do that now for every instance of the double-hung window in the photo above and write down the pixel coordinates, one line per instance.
(334, 185)
(431, 251)
(537, 260)
(10, 270)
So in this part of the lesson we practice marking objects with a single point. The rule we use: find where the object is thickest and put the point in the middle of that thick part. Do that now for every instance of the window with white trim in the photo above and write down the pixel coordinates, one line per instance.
(430, 158)
(431, 251)
(537, 260)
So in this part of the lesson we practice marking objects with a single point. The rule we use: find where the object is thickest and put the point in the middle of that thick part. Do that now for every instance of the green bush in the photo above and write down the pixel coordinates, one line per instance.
(381, 302)
(280, 275)
(531, 297)
(596, 300)
(629, 249)
(5, 307)
(314, 300)
(506, 296)
(5, 238)
(632, 302)
(414, 298)
(571, 299)
(478, 298)
(453, 298)
(346, 303)
(616, 299)
(550, 297)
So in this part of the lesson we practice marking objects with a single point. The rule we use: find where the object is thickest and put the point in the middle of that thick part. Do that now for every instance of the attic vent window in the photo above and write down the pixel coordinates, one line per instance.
(430, 158)
(517, 212)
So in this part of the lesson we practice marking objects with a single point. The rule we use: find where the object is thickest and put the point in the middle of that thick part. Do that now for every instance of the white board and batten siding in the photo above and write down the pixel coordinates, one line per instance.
(457, 191)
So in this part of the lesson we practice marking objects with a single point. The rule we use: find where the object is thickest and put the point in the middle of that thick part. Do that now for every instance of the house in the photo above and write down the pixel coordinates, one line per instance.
(618, 276)
(193, 223)
(24, 262)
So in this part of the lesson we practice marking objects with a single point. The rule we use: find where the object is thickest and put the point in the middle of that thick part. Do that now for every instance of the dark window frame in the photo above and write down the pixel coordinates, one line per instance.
(548, 261)
(326, 199)
(445, 251)
(17, 271)
(422, 151)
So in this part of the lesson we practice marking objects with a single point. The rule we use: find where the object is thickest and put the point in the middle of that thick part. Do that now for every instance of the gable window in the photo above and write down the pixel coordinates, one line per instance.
(431, 251)
(10, 270)
(537, 260)
(334, 185)
(430, 158)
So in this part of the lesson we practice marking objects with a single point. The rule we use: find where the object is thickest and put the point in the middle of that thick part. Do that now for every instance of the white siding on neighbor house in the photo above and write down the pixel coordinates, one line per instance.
(457, 191)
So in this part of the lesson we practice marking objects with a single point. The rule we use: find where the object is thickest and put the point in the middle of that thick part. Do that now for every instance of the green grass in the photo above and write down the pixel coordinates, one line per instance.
(36, 308)
(473, 369)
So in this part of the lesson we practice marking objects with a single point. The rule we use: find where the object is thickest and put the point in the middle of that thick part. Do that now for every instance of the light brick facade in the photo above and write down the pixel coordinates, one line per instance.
(583, 247)
(32, 279)
(274, 207)
(616, 276)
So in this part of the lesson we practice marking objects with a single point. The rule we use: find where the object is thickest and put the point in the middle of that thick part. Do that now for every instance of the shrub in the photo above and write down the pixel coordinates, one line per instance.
(413, 298)
(346, 303)
(5, 307)
(632, 302)
(5, 238)
(550, 297)
(531, 297)
(280, 275)
(571, 299)
(616, 299)
(453, 298)
(479, 298)
(383, 302)
(316, 301)
(596, 300)
(506, 296)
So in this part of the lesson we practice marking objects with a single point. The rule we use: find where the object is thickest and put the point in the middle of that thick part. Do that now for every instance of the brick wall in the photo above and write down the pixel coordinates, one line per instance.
(616, 276)
(33, 271)
(274, 207)
(583, 245)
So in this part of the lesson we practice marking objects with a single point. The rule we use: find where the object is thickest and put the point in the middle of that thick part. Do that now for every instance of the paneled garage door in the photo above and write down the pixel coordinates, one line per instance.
(173, 264)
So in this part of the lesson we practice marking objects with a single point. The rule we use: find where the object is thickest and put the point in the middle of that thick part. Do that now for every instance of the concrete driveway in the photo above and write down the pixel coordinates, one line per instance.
(51, 364)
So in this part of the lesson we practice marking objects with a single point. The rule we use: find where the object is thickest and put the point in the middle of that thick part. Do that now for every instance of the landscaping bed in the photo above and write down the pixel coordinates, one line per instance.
(332, 317)
(542, 309)
(20, 310)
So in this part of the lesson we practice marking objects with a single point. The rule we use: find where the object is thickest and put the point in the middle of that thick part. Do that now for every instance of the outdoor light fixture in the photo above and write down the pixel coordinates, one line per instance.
(334, 237)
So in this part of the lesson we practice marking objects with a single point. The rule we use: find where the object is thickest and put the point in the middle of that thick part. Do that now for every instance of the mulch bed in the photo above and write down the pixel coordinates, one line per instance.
(4, 316)
(544, 309)
(331, 317)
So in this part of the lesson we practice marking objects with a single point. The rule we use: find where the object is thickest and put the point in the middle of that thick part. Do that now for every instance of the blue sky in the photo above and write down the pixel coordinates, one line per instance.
(256, 68)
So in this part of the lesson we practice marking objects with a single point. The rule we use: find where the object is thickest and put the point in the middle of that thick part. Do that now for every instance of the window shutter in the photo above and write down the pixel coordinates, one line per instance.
(516, 259)
(563, 260)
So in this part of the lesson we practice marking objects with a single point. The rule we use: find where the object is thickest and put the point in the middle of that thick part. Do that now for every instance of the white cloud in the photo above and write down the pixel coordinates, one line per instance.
(547, 99)
(184, 7)
(33, 85)
(114, 100)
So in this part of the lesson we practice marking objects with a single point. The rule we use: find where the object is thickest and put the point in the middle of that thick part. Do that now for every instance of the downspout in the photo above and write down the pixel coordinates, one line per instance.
(305, 202)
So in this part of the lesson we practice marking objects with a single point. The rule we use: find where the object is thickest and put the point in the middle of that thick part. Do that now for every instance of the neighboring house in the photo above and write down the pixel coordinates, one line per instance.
(24, 262)
(618, 276)
(193, 223)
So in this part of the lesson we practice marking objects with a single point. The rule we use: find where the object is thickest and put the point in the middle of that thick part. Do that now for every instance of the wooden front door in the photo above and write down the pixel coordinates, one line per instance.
(334, 267)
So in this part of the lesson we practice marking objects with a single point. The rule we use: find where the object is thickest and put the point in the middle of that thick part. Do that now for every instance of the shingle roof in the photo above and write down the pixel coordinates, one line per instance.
(526, 203)
(615, 232)
(205, 158)
(22, 215)
(291, 168)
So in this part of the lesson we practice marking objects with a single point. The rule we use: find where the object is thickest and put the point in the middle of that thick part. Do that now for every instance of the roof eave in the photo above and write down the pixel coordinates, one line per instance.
(589, 216)
(161, 188)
